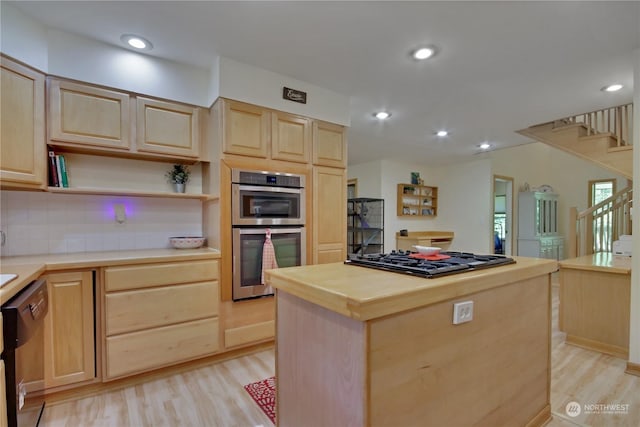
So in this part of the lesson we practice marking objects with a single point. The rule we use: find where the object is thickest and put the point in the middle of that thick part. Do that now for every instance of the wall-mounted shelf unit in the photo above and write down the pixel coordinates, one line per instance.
(417, 200)
(120, 192)
(365, 226)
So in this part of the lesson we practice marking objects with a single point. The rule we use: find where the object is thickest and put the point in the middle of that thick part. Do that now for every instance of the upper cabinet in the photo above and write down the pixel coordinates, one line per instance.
(22, 131)
(329, 145)
(93, 119)
(290, 137)
(250, 130)
(167, 128)
(246, 129)
(88, 115)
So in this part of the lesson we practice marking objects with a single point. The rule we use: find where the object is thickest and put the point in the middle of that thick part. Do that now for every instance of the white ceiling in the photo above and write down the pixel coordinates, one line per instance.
(502, 66)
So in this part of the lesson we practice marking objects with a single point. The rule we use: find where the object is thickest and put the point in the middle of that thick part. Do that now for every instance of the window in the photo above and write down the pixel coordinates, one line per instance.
(601, 190)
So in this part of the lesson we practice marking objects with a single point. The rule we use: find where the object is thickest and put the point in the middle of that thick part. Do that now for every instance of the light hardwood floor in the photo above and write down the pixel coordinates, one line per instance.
(214, 396)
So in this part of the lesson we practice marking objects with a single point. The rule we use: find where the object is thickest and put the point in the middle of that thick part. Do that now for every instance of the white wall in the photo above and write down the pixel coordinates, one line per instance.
(261, 87)
(462, 190)
(92, 61)
(369, 176)
(465, 204)
(50, 223)
(537, 164)
(23, 38)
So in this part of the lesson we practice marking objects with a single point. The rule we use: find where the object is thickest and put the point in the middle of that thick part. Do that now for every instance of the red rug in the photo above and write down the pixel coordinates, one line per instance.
(264, 393)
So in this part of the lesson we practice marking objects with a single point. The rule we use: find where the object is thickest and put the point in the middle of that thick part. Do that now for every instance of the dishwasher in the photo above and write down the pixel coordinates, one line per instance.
(23, 333)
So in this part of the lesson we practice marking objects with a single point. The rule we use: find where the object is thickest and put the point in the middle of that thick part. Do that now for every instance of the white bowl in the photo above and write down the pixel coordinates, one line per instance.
(427, 250)
(186, 242)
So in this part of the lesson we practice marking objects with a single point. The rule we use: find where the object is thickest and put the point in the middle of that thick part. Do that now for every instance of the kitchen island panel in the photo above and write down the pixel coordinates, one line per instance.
(595, 309)
(426, 371)
(323, 379)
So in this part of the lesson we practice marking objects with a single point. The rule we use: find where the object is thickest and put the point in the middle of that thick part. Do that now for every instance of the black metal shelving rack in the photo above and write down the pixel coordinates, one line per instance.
(365, 226)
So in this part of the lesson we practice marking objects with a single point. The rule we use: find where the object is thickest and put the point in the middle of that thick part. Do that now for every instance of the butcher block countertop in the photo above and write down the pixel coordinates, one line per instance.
(29, 268)
(602, 261)
(364, 293)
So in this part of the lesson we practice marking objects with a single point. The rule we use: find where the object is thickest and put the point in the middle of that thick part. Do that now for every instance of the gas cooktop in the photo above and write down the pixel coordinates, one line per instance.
(443, 264)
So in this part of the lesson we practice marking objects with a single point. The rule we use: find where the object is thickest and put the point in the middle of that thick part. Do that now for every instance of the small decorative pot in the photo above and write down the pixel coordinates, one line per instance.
(179, 187)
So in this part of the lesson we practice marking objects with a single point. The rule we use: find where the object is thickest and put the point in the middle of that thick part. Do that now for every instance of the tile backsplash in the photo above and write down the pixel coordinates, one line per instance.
(51, 223)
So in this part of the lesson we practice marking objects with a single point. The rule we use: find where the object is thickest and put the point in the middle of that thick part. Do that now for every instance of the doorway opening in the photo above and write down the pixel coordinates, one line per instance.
(501, 232)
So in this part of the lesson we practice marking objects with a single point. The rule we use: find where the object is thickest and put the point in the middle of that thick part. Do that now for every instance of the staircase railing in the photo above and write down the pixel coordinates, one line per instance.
(597, 227)
(617, 121)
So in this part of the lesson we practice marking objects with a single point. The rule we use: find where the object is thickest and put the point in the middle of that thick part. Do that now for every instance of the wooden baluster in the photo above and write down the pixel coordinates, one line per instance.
(573, 234)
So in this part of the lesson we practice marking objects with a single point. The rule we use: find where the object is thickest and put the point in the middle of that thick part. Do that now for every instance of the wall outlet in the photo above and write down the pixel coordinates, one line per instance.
(462, 312)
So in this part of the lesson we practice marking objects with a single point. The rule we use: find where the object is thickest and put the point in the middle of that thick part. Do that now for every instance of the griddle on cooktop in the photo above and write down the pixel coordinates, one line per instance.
(401, 262)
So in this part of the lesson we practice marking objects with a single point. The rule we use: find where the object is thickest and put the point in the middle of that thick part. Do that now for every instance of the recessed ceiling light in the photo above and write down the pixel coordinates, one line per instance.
(424, 52)
(136, 42)
(484, 146)
(612, 88)
(382, 115)
(442, 133)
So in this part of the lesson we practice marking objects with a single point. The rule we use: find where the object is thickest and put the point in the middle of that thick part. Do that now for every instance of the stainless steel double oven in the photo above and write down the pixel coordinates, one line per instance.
(261, 201)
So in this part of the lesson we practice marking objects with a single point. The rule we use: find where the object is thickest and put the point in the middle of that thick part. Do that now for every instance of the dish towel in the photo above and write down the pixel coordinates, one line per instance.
(268, 256)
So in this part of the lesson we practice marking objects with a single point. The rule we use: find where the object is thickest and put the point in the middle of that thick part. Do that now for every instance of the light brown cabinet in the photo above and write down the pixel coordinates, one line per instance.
(88, 115)
(329, 145)
(65, 355)
(290, 137)
(329, 215)
(89, 118)
(167, 128)
(160, 314)
(246, 129)
(250, 130)
(417, 200)
(69, 329)
(22, 143)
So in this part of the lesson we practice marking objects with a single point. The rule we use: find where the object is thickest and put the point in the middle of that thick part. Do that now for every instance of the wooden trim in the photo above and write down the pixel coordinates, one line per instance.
(610, 349)
(633, 369)
(511, 211)
(542, 418)
(249, 333)
(124, 192)
(353, 182)
(89, 390)
(573, 235)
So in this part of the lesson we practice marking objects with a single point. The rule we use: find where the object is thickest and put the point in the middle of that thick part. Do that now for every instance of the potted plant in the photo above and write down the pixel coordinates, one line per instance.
(178, 176)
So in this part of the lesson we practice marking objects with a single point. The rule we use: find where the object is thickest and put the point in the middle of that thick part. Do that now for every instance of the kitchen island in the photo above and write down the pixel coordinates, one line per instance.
(595, 302)
(363, 347)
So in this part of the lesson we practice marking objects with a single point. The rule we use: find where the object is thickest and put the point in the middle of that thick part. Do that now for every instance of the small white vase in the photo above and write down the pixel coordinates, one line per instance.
(178, 187)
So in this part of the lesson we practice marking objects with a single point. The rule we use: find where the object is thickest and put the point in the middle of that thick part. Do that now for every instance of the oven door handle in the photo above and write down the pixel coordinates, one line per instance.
(268, 189)
(283, 230)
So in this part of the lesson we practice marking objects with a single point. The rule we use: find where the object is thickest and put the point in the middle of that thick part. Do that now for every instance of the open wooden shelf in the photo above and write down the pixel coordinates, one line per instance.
(417, 201)
(121, 192)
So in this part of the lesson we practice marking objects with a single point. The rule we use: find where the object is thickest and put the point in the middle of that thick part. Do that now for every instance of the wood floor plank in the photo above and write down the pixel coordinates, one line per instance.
(213, 395)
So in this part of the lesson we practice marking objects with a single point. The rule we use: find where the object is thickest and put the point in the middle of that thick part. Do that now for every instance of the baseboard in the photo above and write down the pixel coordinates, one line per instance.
(633, 369)
(542, 418)
(95, 388)
(610, 349)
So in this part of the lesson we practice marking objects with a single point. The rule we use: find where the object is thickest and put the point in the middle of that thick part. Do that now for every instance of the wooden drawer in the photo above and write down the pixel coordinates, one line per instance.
(154, 348)
(146, 308)
(150, 275)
